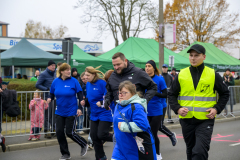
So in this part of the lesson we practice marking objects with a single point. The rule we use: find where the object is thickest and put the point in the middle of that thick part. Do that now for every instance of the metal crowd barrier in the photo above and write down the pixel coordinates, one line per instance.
(21, 125)
(233, 106)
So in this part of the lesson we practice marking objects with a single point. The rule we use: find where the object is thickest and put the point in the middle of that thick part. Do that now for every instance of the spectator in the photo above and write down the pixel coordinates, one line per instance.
(132, 108)
(2, 139)
(174, 74)
(0, 82)
(65, 88)
(168, 78)
(44, 83)
(228, 78)
(25, 77)
(58, 65)
(35, 78)
(4, 85)
(76, 75)
(229, 81)
(37, 107)
(19, 76)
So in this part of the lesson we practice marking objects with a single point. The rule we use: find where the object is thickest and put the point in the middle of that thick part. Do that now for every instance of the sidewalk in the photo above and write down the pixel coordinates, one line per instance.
(21, 142)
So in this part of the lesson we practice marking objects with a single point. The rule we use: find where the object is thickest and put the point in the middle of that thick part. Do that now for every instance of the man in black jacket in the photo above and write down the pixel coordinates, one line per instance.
(125, 70)
(167, 77)
(194, 88)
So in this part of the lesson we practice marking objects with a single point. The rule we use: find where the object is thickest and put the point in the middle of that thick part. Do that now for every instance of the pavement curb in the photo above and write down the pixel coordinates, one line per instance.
(52, 142)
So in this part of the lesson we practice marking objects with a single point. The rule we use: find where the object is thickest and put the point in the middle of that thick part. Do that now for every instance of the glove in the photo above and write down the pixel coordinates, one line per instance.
(107, 104)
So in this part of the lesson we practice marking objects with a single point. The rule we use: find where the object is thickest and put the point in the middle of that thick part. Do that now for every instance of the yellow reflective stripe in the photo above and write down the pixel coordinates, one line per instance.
(205, 98)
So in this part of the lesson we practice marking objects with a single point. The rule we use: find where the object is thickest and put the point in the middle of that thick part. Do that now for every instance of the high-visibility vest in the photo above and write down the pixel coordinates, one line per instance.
(199, 100)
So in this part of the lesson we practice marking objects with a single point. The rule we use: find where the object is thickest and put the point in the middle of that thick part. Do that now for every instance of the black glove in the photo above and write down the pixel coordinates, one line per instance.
(107, 104)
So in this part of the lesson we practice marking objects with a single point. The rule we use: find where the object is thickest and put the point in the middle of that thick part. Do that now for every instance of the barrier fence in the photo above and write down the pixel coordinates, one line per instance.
(32, 119)
(35, 120)
(232, 108)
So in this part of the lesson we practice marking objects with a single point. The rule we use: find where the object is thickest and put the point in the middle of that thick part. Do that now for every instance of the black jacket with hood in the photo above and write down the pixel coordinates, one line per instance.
(134, 74)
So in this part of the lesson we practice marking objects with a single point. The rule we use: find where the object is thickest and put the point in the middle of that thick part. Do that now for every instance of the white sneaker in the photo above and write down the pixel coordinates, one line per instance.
(159, 157)
(81, 132)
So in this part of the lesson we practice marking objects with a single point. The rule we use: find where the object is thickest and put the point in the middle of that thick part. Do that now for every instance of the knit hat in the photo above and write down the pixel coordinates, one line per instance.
(4, 83)
(51, 62)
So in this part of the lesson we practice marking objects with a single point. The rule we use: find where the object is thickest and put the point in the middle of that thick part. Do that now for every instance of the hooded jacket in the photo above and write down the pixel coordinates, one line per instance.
(231, 79)
(126, 146)
(134, 74)
(135, 128)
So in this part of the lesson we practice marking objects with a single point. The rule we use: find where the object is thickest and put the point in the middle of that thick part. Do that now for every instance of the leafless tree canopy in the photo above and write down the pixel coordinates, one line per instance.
(37, 30)
(119, 16)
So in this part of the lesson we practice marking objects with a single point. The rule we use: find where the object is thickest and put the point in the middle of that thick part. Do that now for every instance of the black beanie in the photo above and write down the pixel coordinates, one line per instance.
(51, 62)
(152, 63)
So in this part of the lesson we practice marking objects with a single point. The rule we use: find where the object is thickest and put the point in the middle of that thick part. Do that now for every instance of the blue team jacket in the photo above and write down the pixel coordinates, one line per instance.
(126, 146)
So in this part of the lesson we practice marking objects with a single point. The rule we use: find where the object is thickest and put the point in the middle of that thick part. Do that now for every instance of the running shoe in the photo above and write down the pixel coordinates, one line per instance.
(84, 150)
(65, 157)
(174, 139)
(104, 158)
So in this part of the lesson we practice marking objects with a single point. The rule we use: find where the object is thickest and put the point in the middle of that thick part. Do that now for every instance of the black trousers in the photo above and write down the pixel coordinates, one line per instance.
(49, 118)
(99, 132)
(155, 122)
(162, 127)
(197, 136)
(70, 123)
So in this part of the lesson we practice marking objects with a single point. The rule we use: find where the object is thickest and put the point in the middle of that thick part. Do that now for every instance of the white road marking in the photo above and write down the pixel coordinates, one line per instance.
(235, 144)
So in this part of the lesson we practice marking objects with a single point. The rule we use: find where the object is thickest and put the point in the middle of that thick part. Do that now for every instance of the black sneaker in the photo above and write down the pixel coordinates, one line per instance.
(173, 139)
(84, 150)
(65, 157)
(104, 158)
(3, 144)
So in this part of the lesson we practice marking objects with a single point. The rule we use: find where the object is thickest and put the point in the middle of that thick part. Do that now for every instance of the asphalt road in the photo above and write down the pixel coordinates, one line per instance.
(225, 145)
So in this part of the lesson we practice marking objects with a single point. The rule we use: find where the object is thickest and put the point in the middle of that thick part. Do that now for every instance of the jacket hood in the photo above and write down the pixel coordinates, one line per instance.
(73, 70)
(134, 99)
(230, 75)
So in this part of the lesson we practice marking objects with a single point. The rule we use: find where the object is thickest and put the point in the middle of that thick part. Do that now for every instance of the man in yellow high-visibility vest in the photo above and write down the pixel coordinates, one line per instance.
(193, 96)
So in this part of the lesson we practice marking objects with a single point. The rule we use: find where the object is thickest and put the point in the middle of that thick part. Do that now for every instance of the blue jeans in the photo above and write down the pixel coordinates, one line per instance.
(79, 123)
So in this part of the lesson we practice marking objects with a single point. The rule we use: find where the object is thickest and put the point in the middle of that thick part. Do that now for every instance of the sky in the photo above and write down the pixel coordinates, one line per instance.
(56, 12)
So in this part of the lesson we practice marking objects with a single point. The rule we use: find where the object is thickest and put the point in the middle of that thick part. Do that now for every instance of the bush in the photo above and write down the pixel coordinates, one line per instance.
(237, 82)
(23, 98)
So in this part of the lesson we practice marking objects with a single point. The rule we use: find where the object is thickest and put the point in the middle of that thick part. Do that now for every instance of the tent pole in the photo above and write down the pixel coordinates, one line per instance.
(161, 33)
(12, 71)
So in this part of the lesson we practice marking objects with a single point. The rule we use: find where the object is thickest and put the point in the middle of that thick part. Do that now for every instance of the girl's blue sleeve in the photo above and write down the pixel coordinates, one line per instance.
(139, 116)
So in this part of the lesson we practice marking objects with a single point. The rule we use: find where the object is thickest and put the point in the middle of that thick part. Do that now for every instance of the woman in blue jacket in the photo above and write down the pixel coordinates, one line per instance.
(101, 119)
(131, 128)
(155, 106)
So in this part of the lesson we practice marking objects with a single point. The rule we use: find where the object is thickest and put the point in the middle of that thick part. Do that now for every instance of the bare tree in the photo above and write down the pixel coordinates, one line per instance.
(37, 30)
(119, 16)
